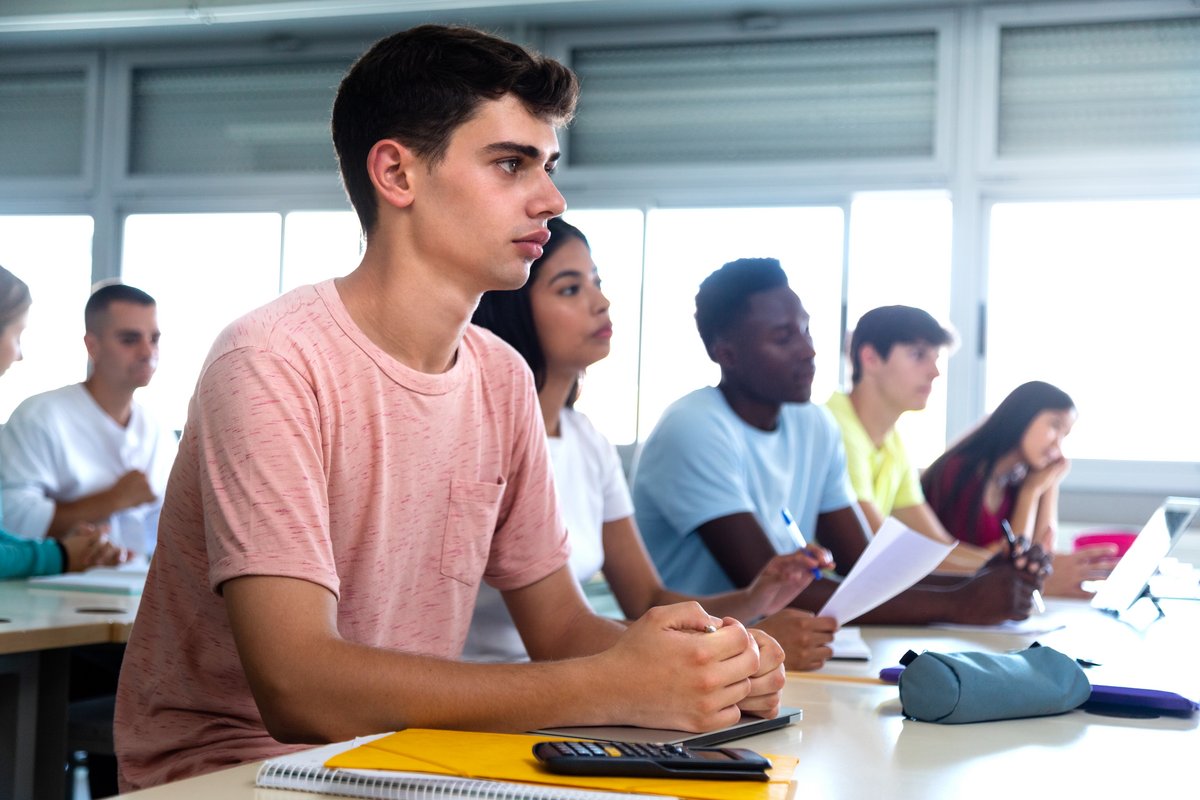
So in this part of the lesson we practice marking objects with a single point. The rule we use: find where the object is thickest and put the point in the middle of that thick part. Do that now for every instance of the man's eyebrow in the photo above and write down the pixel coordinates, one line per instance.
(527, 150)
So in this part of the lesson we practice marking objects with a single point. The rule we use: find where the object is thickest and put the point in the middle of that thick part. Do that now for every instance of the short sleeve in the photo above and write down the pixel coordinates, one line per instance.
(838, 493)
(27, 475)
(908, 493)
(693, 469)
(857, 445)
(617, 502)
(262, 478)
(858, 471)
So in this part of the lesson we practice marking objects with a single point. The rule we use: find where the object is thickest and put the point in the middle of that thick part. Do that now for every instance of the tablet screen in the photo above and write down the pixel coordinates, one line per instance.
(1132, 573)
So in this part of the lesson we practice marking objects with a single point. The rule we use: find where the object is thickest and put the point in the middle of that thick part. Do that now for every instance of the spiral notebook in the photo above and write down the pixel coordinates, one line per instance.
(420, 764)
(306, 772)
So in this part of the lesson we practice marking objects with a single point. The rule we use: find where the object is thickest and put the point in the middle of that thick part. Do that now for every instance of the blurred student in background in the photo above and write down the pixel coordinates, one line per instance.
(89, 452)
(894, 353)
(1008, 469)
(558, 321)
(84, 545)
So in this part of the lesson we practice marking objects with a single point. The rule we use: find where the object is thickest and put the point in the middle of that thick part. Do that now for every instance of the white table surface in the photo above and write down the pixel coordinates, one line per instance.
(853, 741)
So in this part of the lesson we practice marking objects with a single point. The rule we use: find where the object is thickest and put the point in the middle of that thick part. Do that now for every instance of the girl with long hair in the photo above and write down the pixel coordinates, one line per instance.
(1008, 470)
(559, 322)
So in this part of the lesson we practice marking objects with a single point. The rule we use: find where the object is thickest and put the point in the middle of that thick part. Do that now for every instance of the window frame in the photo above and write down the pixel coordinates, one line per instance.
(62, 187)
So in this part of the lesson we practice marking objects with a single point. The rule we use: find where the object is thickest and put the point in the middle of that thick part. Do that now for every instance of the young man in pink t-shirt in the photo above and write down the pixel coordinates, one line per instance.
(357, 458)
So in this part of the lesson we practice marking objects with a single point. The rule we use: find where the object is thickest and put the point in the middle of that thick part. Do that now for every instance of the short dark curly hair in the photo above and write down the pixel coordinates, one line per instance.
(723, 297)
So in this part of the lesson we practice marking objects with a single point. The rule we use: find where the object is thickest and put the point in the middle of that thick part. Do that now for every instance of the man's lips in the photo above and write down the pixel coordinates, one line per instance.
(540, 237)
(533, 244)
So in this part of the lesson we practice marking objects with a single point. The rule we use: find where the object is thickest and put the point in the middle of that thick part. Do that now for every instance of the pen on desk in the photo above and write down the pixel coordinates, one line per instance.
(794, 530)
(1038, 603)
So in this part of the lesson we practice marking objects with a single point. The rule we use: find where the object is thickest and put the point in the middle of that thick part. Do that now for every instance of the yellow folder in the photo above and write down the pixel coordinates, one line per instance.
(509, 757)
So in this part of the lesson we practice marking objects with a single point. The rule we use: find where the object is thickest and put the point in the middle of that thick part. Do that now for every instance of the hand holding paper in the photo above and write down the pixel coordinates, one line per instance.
(895, 559)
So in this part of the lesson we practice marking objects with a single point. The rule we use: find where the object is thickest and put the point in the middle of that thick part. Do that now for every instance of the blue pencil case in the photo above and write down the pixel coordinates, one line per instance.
(954, 688)
(1122, 701)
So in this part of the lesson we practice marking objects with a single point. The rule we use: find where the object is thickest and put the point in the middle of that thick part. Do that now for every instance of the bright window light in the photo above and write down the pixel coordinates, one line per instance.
(53, 256)
(684, 245)
(610, 391)
(204, 270)
(900, 244)
(318, 245)
(1099, 298)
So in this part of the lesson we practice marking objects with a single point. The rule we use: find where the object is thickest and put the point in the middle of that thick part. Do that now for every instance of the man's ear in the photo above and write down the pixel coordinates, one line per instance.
(725, 354)
(868, 356)
(92, 344)
(391, 167)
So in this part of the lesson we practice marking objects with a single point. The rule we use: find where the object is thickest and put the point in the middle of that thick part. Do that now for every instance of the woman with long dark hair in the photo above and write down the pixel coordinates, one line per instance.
(1008, 470)
(558, 321)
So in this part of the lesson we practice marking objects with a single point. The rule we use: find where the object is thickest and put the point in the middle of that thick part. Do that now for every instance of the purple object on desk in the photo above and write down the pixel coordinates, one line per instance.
(890, 674)
(1112, 697)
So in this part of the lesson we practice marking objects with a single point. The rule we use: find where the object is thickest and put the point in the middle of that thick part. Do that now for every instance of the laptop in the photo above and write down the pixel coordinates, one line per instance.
(748, 726)
(1131, 576)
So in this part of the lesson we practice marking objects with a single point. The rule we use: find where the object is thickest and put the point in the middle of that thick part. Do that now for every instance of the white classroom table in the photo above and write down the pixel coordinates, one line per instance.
(854, 743)
(37, 628)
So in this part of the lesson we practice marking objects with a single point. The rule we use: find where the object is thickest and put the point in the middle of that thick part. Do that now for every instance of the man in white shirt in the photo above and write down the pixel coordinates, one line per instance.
(88, 452)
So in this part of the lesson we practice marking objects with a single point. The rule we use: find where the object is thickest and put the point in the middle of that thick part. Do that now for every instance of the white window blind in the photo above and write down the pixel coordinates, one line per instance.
(42, 119)
(1099, 87)
(233, 119)
(830, 98)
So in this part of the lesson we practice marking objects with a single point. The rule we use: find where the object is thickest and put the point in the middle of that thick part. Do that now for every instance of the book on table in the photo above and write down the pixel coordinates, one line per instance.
(421, 763)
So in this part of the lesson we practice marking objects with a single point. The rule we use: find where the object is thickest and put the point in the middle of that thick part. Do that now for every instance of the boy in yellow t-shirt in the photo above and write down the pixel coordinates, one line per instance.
(894, 352)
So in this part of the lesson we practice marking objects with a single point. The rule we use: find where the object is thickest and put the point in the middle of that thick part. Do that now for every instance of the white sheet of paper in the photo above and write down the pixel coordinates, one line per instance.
(1033, 626)
(848, 644)
(895, 559)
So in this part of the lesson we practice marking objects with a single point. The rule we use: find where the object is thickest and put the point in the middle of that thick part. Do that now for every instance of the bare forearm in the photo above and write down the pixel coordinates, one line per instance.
(585, 634)
(737, 603)
(1025, 511)
(919, 605)
(91, 508)
(353, 689)
(1046, 523)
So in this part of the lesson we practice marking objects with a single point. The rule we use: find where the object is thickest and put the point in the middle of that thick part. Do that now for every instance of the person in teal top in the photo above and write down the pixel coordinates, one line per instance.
(82, 547)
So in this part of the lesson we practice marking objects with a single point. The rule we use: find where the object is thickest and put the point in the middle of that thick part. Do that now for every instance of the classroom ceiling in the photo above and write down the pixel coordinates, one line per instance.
(72, 23)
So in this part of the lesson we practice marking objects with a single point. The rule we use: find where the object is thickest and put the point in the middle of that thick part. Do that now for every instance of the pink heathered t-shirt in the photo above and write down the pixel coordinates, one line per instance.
(310, 453)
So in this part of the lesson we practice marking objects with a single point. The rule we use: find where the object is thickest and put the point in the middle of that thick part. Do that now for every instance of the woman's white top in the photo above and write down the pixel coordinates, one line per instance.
(591, 488)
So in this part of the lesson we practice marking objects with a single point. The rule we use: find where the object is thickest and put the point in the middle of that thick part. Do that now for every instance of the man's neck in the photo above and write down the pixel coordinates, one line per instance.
(753, 411)
(877, 417)
(414, 315)
(117, 403)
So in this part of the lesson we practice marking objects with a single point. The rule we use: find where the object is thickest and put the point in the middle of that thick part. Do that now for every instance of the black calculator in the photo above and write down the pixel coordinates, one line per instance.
(652, 760)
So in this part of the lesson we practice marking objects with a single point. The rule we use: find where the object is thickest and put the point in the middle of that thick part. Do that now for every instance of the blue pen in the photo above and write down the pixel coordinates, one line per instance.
(794, 530)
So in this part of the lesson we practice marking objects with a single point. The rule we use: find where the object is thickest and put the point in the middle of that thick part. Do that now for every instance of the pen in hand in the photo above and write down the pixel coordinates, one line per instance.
(794, 530)
(1013, 545)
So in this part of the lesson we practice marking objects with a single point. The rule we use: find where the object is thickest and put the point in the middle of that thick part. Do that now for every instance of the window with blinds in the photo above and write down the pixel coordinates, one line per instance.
(1099, 87)
(233, 119)
(801, 99)
(43, 123)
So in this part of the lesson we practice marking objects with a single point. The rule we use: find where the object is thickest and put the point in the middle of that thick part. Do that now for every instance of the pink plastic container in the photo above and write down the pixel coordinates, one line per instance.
(1121, 538)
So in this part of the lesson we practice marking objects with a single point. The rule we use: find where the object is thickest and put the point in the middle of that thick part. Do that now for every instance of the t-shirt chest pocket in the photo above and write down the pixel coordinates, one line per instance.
(470, 523)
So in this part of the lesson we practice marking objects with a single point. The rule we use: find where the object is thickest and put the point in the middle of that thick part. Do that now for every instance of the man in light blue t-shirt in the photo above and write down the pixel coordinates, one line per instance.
(725, 464)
